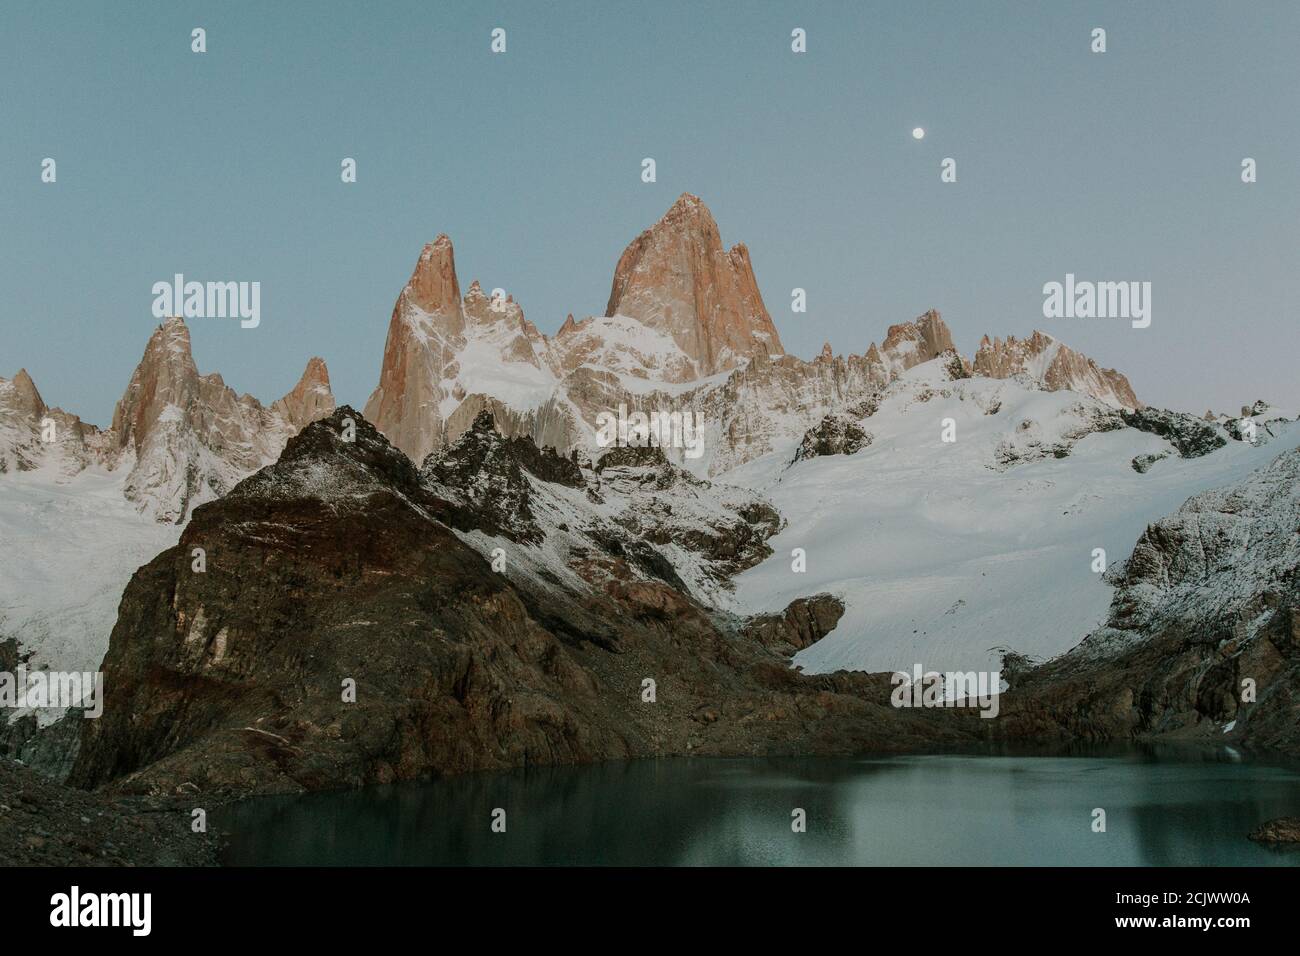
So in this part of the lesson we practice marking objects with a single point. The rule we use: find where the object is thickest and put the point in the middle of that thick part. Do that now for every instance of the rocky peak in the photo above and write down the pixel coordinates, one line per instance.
(484, 475)
(834, 435)
(433, 287)
(1191, 437)
(424, 334)
(334, 459)
(480, 446)
(423, 380)
(310, 399)
(1054, 366)
(911, 343)
(23, 445)
(676, 278)
(21, 395)
(190, 437)
(165, 378)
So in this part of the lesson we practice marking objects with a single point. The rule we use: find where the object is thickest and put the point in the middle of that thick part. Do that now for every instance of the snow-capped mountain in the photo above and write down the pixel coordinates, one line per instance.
(80, 513)
(188, 438)
(34, 436)
(685, 330)
(676, 278)
(941, 548)
(1042, 359)
(944, 551)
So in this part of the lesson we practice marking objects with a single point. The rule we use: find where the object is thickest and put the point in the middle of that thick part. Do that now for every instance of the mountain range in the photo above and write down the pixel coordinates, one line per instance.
(857, 512)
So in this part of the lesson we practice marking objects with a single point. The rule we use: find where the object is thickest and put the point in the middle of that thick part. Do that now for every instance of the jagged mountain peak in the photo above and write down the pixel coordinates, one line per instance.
(911, 343)
(676, 278)
(483, 445)
(1043, 359)
(188, 437)
(310, 399)
(22, 395)
(24, 439)
(433, 287)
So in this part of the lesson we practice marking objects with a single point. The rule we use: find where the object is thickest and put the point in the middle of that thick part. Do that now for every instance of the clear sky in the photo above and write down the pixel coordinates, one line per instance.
(225, 166)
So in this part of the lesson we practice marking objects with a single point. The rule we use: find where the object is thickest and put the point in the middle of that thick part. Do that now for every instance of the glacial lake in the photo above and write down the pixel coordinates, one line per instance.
(1162, 809)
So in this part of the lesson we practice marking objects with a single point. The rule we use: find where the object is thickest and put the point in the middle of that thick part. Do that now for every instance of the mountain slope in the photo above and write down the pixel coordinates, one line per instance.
(337, 563)
(1203, 636)
(941, 551)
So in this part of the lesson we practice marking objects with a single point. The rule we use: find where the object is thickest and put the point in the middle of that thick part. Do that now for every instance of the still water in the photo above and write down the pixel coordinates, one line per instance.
(1161, 809)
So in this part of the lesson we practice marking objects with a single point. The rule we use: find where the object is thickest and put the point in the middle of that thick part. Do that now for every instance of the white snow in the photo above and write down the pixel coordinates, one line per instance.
(940, 553)
(67, 550)
(483, 369)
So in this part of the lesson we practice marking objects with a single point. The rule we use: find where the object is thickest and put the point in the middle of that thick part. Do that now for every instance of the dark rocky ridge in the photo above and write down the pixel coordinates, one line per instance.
(1191, 437)
(833, 435)
(336, 563)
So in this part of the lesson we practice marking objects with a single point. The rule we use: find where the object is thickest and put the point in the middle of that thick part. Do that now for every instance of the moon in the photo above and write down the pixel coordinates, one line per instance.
(918, 133)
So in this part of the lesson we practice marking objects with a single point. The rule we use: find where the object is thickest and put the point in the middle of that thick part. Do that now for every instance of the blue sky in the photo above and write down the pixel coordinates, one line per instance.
(225, 165)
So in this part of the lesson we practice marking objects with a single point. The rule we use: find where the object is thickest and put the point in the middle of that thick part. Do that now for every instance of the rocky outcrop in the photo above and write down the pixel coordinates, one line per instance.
(834, 435)
(911, 343)
(310, 399)
(334, 568)
(724, 530)
(484, 474)
(1142, 463)
(1190, 436)
(1053, 366)
(1281, 831)
(591, 523)
(677, 279)
(803, 623)
(1203, 636)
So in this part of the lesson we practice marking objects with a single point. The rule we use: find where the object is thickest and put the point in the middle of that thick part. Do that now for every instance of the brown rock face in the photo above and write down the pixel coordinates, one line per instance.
(310, 399)
(337, 562)
(676, 278)
(428, 321)
(1053, 365)
(25, 399)
(422, 383)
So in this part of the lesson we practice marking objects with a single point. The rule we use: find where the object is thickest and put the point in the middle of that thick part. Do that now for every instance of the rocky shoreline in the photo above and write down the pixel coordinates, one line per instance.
(43, 823)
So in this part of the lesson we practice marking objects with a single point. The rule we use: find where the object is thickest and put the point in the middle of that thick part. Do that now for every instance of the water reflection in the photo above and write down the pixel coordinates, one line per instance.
(1163, 808)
